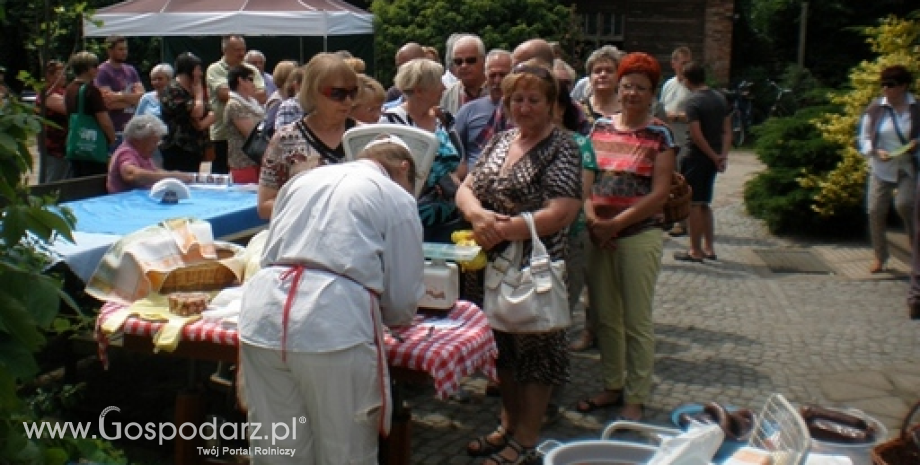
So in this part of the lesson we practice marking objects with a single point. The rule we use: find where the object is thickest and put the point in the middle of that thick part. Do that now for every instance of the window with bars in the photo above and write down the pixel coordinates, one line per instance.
(603, 27)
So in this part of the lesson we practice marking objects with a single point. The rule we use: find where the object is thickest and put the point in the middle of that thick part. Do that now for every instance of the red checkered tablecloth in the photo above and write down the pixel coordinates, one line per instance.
(447, 354)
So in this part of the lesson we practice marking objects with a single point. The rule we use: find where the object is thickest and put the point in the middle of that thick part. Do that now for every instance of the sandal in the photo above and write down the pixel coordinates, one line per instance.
(686, 257)
(524, 455)
(589, 405)
(481, 446)
(621, 417)
(587, 341)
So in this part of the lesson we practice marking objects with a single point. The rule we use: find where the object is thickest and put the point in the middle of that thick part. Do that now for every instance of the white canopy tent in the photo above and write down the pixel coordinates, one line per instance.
(163, 18)
(289, 29)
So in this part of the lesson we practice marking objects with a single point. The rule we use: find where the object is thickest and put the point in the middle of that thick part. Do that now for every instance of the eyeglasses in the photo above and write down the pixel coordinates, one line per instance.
(497, 74)
(339, 94)
(890, 84)
(633, 88)
(467, 60)
(537, 71)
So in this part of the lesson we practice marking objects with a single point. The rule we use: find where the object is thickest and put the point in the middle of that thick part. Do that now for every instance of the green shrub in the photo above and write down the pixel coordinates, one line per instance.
(792, 148)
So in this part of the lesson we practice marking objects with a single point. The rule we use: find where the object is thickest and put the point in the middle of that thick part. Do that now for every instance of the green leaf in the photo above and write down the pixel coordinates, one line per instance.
(56, 456)
(8, 400)
(17, 360)
(14, 225)
(52, 221)
(43, 299)
(60, 325)
(18, 323)
(7, 143)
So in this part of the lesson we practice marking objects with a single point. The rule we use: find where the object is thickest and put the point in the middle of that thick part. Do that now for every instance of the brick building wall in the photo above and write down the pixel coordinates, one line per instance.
(658, 27)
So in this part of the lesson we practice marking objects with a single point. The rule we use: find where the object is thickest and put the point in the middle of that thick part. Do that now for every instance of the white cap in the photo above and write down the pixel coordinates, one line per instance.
(160, 190)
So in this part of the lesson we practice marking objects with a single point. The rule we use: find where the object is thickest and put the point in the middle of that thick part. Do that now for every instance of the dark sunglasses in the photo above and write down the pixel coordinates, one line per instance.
(890, 84)
(339, 94)
(467, 60)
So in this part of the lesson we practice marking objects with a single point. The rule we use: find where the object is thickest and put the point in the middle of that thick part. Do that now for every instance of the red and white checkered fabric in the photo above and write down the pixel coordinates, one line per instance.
(447, 355)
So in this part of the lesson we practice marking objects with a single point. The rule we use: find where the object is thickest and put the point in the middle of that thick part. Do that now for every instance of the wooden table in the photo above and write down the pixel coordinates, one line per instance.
(440, 356)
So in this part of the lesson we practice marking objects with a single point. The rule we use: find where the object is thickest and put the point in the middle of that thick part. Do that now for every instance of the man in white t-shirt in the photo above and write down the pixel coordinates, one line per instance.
(674, 95)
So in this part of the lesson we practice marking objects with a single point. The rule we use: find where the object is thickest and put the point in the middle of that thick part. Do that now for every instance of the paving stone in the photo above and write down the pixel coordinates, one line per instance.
(907, 383)
(870, 379)
(888, 406)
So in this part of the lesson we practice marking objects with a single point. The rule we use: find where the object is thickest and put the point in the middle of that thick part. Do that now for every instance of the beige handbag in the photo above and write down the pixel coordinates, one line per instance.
(532, 300)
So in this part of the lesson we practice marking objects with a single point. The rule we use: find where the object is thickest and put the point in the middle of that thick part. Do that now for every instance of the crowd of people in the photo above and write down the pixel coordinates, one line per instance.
(591, 159)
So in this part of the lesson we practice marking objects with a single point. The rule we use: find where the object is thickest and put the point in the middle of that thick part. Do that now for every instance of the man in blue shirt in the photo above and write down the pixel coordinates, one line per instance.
(473, 121)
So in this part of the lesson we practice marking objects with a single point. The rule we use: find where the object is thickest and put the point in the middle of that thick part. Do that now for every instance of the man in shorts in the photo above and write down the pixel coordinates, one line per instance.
(709, 129)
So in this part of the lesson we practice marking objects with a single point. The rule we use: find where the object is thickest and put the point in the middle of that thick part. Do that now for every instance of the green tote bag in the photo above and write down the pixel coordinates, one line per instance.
(85, 139)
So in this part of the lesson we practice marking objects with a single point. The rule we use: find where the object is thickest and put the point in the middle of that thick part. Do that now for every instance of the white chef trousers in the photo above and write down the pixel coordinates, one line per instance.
(338, 394)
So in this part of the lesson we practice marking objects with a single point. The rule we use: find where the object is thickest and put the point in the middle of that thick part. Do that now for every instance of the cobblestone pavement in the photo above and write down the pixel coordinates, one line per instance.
(734, 332)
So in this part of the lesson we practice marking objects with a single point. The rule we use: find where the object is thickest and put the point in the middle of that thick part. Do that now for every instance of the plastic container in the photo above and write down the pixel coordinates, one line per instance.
(858, 453)
(604, 452)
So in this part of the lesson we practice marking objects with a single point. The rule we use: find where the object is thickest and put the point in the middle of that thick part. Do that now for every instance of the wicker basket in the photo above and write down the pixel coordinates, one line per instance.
(904, 449)
(208, 275)
(677, 208)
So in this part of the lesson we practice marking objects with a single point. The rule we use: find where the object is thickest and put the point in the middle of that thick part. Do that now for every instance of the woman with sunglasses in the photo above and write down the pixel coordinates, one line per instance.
(420, 82)
(328, 92)
(243, 113)
(888, 133)
(636, 153)
(536, 168)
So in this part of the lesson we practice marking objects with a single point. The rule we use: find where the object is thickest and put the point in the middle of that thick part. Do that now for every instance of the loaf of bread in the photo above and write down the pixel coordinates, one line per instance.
(188, 303)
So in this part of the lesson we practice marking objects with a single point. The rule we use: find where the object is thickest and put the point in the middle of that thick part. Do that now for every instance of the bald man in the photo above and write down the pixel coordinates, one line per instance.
(405, 54)
(234, 50)
(534, 49)
(541, 51)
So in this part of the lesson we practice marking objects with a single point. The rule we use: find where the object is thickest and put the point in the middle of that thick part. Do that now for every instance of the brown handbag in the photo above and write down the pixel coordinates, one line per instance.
(677, 207)
(903, 450)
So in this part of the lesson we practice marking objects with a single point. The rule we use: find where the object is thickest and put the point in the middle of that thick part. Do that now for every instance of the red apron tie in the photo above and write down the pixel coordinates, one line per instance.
(383, 372)
(295, 272)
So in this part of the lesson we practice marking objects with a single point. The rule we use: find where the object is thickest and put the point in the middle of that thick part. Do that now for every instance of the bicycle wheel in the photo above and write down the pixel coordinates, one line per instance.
(785, 106)
(738, 129)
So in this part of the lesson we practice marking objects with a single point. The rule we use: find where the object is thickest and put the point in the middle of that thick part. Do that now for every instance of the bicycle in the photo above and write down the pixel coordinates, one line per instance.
(742, 102)
(785, 102)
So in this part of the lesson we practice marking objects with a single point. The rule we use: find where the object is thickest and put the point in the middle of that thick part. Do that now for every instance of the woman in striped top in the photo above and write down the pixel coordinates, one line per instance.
(635, 155)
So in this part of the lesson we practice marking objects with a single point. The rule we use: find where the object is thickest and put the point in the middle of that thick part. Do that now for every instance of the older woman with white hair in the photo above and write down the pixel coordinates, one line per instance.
(420, 82)
(131, 165)
(149, 103)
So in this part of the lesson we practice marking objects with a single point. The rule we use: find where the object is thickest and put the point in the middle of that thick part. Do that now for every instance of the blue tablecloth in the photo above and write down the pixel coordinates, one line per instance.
(101, 221)
(228, 210)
